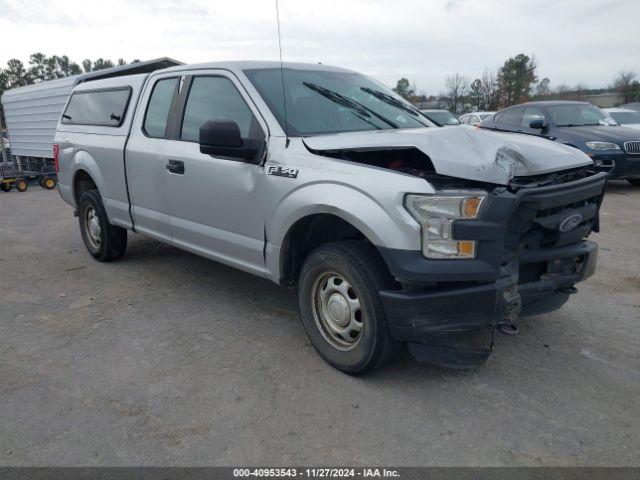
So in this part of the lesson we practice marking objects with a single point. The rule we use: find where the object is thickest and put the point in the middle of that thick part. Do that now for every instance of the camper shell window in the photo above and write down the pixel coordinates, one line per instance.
(105, 107)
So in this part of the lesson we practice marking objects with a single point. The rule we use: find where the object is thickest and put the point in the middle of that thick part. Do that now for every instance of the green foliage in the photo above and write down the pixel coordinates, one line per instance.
(515, 79)
(403, 88)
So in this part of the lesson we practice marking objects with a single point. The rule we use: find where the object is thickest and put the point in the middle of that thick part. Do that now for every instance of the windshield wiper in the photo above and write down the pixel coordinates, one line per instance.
(351, 104)
(385, 97)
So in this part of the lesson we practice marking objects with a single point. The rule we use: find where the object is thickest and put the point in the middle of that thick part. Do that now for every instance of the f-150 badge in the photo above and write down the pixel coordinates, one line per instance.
(280, 171)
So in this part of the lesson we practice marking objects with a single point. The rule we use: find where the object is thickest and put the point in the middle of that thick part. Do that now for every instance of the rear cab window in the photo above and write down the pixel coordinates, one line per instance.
(159, 107)
(104, 107)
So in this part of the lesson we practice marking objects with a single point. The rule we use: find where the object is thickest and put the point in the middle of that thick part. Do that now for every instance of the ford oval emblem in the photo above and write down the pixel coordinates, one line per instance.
(569, 223)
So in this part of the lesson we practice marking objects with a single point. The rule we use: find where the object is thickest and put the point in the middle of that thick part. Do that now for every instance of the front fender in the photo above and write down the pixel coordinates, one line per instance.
(386, 224)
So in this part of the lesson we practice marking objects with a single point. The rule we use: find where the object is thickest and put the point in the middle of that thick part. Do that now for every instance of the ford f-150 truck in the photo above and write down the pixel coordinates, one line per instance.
(393, 231)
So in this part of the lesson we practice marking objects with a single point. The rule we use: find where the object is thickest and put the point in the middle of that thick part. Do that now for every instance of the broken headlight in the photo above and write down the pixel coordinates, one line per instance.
(436, 214)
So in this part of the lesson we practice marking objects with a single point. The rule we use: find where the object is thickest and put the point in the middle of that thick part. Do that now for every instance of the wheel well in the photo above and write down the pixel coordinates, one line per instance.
(306, 235)
(81, 183)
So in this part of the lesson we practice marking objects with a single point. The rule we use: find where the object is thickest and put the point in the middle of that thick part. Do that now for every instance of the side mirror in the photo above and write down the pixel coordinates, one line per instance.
(222, 138)
(538, 124)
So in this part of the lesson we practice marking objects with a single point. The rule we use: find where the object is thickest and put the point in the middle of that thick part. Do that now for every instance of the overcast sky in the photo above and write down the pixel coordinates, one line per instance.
(584, 41)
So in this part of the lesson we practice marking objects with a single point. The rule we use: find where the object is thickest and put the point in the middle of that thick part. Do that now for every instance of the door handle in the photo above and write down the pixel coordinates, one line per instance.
(175, 166)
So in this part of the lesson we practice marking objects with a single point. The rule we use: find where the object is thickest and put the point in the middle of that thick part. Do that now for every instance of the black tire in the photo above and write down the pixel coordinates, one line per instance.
(22, 185)
(634, 181)
(107, 242)
(49, 183)
(360, 265)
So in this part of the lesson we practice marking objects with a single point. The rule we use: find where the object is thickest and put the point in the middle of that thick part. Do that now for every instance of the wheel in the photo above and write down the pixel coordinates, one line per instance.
(5, 187)
(49, 183)
(21, 185)
(634, 181)
(104, 241)
(341, 309)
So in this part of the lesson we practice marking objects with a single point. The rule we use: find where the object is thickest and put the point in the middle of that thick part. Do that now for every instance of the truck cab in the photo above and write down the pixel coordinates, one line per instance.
(321, 179)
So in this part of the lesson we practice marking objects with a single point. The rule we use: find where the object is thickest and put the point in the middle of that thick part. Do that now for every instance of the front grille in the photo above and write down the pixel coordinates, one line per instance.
(632, 148)
(536, 222)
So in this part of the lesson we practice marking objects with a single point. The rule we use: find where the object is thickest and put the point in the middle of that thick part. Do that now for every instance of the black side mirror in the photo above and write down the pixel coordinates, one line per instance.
(538, 124)
(222, 138)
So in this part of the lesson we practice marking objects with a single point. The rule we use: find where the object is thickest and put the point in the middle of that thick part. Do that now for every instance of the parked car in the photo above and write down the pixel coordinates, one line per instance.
(443, 118)
(625, 116)
(613, 148)
(391, 230)
(474, 118)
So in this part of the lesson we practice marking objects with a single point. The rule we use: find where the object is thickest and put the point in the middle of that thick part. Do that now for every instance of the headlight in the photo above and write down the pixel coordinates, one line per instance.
(602, 146)
(436, 214)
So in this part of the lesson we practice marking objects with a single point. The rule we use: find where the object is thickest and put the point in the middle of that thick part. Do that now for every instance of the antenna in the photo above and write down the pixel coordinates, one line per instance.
(284, 100)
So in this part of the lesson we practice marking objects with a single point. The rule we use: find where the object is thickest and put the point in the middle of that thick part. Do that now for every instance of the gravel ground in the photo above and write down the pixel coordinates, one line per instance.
(164, 358)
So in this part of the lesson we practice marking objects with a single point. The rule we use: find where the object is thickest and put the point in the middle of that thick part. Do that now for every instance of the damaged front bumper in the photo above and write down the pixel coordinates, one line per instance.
(449, 309)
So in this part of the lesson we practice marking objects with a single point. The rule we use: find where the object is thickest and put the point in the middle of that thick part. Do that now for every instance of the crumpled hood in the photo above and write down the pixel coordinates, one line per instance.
(465, 152)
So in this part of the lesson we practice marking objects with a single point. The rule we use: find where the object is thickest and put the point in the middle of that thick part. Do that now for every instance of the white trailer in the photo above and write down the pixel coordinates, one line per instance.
(32, 112)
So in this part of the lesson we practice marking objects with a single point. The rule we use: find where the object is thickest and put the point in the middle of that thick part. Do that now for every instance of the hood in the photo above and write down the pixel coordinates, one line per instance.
(465, 152)
(616, 134)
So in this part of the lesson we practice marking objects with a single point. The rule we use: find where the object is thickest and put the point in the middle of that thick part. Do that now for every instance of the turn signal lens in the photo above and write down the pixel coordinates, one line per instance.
(467, 248)
(470, 206)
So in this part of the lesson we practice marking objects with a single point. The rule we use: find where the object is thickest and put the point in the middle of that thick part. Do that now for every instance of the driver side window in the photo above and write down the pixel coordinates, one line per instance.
(215, 98)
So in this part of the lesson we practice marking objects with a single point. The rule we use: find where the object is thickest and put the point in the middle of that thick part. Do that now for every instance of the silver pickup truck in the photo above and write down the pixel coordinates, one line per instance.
(392, 230)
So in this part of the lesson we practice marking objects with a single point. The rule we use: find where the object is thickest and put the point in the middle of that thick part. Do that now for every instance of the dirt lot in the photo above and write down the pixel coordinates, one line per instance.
(165, 358)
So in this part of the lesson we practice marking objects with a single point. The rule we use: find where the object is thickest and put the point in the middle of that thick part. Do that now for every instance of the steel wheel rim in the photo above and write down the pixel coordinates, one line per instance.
(337, 310)
(92, 227)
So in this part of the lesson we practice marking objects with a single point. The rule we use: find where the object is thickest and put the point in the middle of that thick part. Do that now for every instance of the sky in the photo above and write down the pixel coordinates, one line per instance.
(573, 41)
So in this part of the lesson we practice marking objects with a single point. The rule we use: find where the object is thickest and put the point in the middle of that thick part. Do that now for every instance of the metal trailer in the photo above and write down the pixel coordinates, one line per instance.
(20, 175)
(32, 113)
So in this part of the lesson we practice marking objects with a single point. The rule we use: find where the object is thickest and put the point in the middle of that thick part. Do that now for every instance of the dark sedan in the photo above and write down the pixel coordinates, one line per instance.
(613, 148)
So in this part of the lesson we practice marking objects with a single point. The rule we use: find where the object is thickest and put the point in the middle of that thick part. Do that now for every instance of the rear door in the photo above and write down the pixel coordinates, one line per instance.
(215, 209)
(146, 157)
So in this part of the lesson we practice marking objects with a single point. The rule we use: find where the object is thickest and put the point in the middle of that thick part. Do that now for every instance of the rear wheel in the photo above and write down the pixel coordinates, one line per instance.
(341, 308)
(21, 185)
(104, 241)
(49, 183)
(634, 181)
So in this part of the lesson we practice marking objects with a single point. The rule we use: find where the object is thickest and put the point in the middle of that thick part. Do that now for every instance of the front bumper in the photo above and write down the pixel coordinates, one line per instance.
(446, 304)
(618, 165)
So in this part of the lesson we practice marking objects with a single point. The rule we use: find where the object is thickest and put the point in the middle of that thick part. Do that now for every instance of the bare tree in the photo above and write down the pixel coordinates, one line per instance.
(490, 91)
(543, 90)
(457, 86)
(624, 84)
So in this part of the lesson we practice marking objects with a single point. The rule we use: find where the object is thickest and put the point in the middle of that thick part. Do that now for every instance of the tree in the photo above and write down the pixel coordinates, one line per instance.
(475, 94)
(87, 65)
(101, 64)
(17, 74)
(403, 88)
(624, 84)
(121, 62)
(543, 90)
(490, 91)
(457, 86)
(67, 67)
(515, 79)
(38, 66)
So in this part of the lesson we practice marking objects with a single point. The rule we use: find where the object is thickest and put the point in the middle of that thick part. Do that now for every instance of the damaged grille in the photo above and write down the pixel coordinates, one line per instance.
(554, 216)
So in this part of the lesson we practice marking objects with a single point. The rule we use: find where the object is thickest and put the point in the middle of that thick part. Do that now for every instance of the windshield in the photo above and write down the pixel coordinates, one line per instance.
(625, 118)
(484, 115)
(442, 117)
(332, 102)
(576, 115)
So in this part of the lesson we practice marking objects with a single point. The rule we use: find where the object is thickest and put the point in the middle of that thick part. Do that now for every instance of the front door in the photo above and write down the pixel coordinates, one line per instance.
(215, 210)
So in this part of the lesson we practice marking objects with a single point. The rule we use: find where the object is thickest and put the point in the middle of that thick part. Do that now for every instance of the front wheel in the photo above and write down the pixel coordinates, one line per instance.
(104, 241)
(341, 309)
(21, 185)
(634, 181)
(49, 183)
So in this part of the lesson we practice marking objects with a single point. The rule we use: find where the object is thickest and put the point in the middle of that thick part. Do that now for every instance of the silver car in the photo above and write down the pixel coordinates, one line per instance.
(323, 180)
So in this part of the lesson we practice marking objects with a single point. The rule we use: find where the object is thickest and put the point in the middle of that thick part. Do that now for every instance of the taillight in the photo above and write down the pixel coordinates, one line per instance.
(56, 150)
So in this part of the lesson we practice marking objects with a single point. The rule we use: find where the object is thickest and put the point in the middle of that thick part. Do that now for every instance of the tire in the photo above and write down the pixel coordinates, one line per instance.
(339, 284)
(634, 181)
(105, 242)
(22, 185)
(5, 187)
(49, 183)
